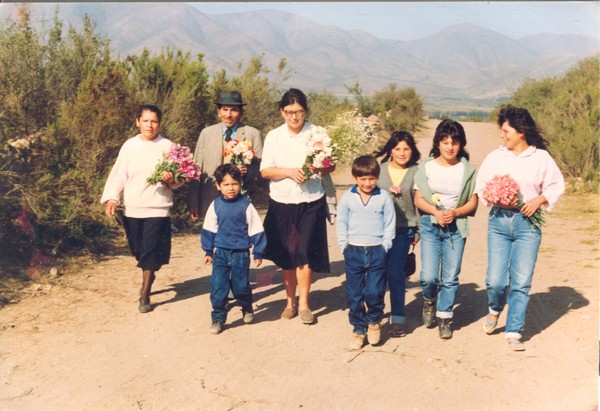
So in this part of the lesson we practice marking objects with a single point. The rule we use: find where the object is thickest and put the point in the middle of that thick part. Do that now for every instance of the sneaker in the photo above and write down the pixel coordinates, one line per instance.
(444, 327)
(357, 341)
(428, 312)
(374, 334)
(215, 328)
(248, 317)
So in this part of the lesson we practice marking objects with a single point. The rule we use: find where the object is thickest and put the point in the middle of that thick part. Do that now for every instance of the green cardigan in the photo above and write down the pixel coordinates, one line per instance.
(467, 190)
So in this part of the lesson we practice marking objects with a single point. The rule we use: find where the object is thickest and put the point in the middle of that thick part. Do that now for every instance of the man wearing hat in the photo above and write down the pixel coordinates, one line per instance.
(209, 149)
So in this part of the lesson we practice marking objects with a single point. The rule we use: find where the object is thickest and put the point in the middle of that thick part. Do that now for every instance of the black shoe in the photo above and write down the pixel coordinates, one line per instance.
(444, 327)
(428, 313)
(145, 306)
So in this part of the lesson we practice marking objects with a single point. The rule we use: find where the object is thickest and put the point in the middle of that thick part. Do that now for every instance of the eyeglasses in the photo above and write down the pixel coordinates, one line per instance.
(298, 113)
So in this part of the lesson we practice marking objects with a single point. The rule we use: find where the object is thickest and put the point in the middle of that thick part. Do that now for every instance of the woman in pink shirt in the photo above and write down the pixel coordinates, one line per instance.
(513, 241)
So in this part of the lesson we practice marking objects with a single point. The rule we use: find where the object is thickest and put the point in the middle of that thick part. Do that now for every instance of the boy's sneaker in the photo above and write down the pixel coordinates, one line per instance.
(444, 327)
(428, 312)
(215, 328)
(248, 317)
(357, 341)
(374, 334)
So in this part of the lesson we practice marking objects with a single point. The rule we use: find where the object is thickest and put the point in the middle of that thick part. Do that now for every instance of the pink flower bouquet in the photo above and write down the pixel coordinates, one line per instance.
(179, 161)
(239, 152)
(395, 191)
(503, 190)
(319, 150)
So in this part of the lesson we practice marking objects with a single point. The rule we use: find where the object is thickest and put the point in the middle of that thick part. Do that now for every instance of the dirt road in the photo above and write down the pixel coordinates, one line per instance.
(78, 342)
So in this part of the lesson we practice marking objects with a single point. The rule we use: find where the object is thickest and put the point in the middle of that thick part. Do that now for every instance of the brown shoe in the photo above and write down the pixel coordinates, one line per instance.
(288, 313)
(374, 334)
(357, 342)
(307, 316)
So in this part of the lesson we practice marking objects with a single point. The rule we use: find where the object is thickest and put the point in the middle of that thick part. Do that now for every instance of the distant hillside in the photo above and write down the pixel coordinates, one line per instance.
(462, 62)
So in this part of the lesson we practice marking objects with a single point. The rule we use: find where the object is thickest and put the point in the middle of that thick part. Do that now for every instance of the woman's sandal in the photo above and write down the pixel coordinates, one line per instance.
(489, 326)
(515, 344)
(397, 331)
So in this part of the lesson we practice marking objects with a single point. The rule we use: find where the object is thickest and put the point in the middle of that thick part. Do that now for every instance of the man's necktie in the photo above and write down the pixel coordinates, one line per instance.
(228, 134)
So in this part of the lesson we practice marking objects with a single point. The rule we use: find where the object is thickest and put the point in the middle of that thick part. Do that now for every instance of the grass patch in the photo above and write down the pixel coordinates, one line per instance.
(590, 242)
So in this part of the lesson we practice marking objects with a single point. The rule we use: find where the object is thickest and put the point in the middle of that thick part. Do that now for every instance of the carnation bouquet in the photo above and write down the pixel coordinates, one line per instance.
(239, 152)
(396, 191)
(503, 191)
(178, 160)
(319, 150)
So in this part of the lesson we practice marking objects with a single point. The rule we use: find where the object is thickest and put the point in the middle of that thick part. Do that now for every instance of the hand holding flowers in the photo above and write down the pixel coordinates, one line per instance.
(447, 216)
(395, 191)
(319, 151)
(503, 191)
(179, 162)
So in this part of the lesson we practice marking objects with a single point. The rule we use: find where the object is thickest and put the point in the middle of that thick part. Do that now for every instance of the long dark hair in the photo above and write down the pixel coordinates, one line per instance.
(521, 120)
(292, 96)
(454, 130)
(395, 139)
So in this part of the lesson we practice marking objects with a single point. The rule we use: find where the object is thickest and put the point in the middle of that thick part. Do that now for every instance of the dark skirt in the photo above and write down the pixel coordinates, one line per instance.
(149, 241)
(297, 235)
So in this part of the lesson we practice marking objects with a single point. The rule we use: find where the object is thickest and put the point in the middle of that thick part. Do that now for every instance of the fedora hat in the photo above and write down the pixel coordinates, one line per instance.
(230, 98)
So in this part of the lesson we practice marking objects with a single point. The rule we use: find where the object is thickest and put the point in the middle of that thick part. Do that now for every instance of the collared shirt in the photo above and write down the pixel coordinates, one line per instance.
(284, 150)
(233, 129)
(534, 170)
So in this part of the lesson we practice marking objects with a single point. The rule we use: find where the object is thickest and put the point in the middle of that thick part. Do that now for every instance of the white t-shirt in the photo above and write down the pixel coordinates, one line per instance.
(285, 150)
(445, 181)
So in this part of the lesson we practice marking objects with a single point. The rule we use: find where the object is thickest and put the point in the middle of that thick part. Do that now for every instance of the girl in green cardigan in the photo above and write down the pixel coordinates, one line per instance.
(445, 197)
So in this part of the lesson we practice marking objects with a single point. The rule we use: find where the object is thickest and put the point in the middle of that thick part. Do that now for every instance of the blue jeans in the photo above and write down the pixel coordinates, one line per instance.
(396, 276)
(513, 246)
(441, 258)
(231, 269)
(365, 285)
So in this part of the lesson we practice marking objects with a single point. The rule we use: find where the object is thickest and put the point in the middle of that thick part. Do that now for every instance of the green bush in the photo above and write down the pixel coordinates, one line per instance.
(567, 110)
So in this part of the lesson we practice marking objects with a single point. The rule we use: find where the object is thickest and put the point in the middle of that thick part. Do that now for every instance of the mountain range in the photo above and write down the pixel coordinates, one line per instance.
(463, 62)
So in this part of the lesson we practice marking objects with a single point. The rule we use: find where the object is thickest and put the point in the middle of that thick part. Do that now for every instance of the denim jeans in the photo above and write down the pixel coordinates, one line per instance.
(230, 269)
(513, 246)
(396, 276)
(365, 285)
(441, 258)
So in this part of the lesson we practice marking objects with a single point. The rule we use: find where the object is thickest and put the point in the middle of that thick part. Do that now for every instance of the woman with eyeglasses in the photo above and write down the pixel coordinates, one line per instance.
(295, 223)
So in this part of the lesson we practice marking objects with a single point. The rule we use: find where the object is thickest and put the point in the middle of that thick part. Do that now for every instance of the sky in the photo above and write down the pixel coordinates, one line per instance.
(413, 20)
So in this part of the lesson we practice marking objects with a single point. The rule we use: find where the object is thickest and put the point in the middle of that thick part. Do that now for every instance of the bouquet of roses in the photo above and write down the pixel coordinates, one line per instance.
(319, 150)
(503, 190)
(179, 161)
(239, 152)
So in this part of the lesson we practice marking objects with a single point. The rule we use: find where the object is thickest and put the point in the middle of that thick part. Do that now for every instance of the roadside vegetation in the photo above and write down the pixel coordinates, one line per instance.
(67, 105)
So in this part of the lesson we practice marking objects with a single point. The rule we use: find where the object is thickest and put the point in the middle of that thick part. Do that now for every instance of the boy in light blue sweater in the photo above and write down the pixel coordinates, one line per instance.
(365, 229)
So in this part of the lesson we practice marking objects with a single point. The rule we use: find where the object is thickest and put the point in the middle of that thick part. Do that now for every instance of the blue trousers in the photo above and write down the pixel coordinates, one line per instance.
(365, 285)
(396, 275)
(513, 246)
(231, 269)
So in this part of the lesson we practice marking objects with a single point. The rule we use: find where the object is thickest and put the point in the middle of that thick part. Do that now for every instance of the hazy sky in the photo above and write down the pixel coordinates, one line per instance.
(412, 20)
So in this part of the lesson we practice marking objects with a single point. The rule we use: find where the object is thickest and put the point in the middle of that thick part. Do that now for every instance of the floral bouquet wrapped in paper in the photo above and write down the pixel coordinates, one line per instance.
(239, 152)
(503, 191)
(319, 150)
(179, 161)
